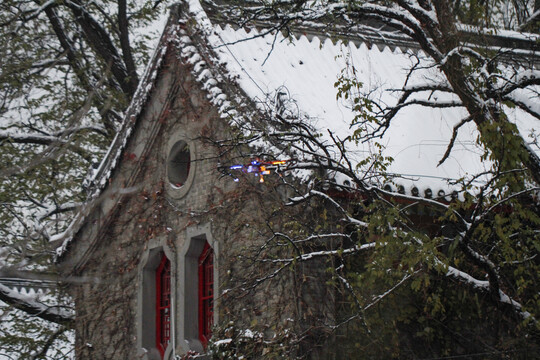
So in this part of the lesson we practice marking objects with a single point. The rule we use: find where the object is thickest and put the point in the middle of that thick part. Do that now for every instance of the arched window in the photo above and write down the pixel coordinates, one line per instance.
(163, 304)
(206, 293)
(198, 308)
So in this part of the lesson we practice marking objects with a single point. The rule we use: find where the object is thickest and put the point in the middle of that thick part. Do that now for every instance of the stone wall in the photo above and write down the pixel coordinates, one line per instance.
(140, 212)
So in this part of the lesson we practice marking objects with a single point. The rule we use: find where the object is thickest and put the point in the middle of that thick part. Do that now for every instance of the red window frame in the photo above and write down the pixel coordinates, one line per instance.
(206, 294)
(163, 304)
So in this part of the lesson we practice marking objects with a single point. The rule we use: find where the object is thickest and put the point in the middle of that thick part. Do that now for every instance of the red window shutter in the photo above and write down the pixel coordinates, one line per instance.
(163, 304)
(206, 293)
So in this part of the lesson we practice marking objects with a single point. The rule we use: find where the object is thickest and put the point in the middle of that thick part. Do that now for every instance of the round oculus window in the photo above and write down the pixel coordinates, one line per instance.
(178, 164)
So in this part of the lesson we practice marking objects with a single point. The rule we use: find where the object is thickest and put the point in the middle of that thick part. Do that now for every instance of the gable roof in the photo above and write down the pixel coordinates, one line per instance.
(297, 74)
(304, 68)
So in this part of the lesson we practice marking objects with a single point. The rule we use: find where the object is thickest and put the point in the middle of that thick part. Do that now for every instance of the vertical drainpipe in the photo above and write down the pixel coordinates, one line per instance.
(173, 326)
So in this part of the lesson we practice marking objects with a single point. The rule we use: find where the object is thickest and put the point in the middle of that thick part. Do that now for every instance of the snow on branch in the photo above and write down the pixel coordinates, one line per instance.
(324, 253)
(488, 212)
(463, 50)
(285, 263)
(59, 137)
(40, 9)
(350, 289)
(484, 285)
(533, 19)
(530, 107)
(57, 209)
(334, 203)
(425, 17)
(426, 103)
(491, 285)
(52, 338)
(425, 87)
(38, 139)
(521, 80)
(466, 278)
(316, 237)
(55, 313)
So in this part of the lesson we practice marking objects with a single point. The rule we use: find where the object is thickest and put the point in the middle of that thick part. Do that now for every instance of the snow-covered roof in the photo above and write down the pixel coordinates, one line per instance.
(305, 69)
(308, 69)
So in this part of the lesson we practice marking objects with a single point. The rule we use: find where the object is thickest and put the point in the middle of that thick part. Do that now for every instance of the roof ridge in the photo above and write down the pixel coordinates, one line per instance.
(379, 34)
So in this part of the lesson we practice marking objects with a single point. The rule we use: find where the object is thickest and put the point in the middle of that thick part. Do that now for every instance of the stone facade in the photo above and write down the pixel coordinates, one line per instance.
(141, 213)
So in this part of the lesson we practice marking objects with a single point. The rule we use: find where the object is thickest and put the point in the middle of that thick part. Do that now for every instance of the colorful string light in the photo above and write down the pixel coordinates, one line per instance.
(259, 168)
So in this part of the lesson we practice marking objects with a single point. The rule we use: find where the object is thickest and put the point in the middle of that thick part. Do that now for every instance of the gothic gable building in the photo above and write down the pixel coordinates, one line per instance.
(221, 135)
